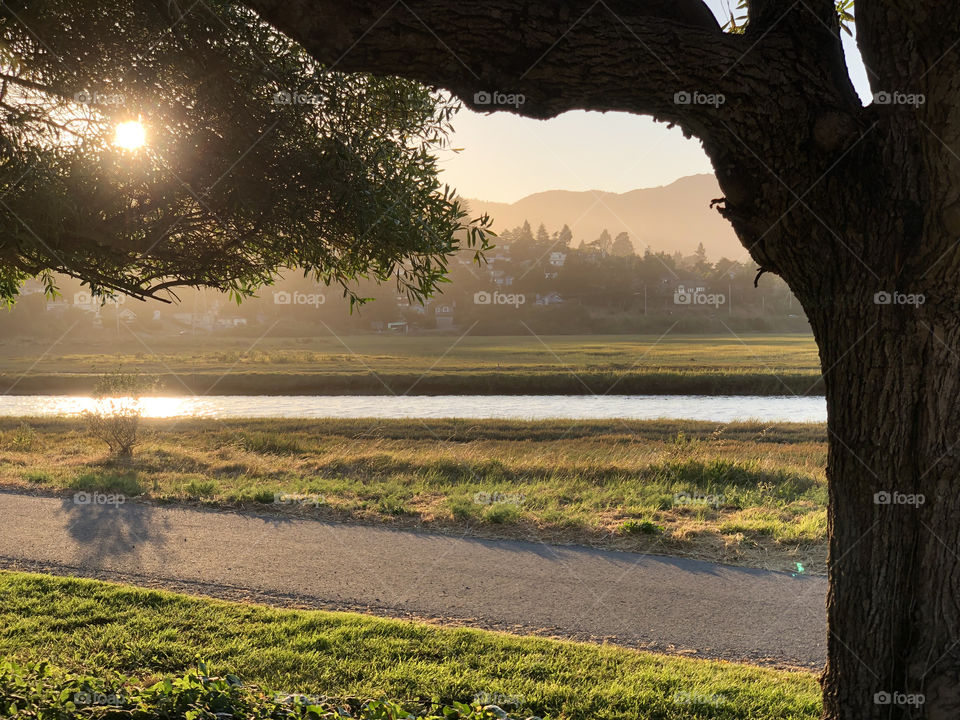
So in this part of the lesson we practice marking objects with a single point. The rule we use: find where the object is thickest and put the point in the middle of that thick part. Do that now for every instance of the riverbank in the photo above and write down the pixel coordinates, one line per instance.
(433, 383)
(428, 365)
(745, 494)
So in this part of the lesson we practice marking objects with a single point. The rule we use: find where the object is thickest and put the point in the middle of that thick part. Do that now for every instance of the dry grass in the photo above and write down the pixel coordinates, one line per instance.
(743, 494)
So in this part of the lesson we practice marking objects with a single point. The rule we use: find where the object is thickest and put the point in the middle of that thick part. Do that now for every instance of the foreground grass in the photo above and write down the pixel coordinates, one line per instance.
(40, 691)
(385, 364)
(742, 493)
(100, 628)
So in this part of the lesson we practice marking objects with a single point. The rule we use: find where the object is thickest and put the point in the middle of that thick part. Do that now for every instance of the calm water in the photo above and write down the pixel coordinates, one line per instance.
(520, 407)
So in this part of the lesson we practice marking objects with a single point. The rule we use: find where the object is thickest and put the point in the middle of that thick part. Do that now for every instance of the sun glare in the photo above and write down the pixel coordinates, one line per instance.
(130, 135)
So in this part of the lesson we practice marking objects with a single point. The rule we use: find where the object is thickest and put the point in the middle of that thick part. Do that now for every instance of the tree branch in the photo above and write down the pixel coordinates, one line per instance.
(774, 107)
(558, 55)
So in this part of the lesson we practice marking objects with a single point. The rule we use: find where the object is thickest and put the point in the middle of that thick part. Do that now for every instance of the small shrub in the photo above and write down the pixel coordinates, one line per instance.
(115, 418)
(391, 506)
(265, 497)
(38, 477)
(23, 439)
(464, 509)
(124, 483)
(644, 527)
(500, 513)
(201, 489)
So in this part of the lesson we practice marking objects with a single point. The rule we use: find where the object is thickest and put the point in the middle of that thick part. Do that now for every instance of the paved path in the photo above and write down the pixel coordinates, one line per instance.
(658, 603)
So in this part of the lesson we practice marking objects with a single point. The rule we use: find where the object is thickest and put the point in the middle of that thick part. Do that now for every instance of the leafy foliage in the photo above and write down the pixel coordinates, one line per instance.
(40, 692)
(738, 22)
(256, 159)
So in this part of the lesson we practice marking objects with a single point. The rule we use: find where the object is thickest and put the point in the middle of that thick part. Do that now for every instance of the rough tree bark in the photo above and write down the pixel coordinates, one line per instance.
(843, 202)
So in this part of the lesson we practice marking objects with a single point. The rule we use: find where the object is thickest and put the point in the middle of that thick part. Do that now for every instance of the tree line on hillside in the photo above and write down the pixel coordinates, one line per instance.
(539, 281)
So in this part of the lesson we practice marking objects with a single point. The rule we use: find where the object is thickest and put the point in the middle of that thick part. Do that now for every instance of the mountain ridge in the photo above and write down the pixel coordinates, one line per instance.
(669, 218)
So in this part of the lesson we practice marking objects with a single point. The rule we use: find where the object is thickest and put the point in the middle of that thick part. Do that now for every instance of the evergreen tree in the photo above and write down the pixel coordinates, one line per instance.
(543, 237)
(622, 246)
(604, 242)
(525, 236)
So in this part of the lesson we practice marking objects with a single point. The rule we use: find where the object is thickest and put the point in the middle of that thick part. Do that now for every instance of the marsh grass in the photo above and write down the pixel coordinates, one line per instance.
(387, 364)
(746, 494)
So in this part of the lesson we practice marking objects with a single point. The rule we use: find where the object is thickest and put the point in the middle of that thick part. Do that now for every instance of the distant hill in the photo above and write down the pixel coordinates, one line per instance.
(669, 218)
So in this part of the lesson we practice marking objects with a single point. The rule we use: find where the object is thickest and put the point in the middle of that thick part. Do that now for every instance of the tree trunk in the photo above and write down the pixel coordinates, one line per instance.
(892, 376)
(843, 202)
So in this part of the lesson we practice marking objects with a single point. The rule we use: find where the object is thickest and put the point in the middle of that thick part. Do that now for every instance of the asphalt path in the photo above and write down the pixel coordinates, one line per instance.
(663, 604)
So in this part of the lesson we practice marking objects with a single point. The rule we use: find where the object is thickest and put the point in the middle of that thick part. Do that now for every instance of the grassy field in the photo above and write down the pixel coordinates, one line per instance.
(435, 364)
(100, 628)
(743, 494)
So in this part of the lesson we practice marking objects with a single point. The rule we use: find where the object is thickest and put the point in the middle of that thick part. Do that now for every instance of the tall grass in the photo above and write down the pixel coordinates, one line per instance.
(748, 494)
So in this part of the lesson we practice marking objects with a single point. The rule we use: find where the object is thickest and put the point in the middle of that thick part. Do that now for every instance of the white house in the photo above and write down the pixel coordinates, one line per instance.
(444, 315)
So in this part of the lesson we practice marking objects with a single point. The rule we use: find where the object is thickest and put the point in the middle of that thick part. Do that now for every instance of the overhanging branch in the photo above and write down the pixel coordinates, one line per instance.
(645, 57)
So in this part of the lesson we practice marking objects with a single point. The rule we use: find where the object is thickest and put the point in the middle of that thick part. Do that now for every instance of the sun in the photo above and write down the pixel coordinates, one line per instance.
(130, 135)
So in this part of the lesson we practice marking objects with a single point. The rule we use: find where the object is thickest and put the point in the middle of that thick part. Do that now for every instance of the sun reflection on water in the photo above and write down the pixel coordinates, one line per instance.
(150, 407)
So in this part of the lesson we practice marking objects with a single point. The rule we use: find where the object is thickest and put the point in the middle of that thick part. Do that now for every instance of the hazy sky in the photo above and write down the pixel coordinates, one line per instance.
(505, 157)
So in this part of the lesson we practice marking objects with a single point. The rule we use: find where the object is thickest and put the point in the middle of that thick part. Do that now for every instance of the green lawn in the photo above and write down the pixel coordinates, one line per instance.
(622, 364)
(744, 494)
(100, 628)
